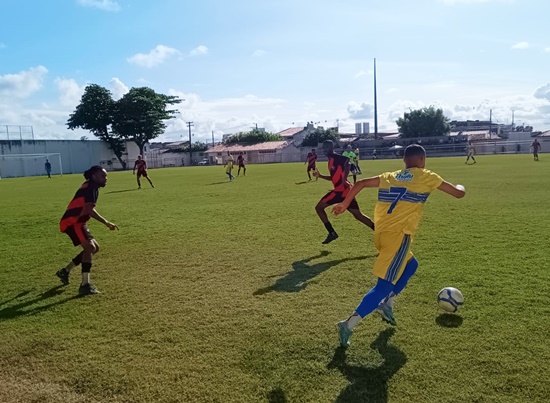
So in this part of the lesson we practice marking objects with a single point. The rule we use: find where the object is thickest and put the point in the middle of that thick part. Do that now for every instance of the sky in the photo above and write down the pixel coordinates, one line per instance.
(276, 64)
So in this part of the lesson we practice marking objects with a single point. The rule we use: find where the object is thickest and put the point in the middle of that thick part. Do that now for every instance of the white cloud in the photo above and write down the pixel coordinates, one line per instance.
(259, 53)
(106, 5)
(453, 2)
(543, 92)
(361, 110)
(69, 92)
(360, 74)
(156, 56)
(547, 49)
(199, 50)
(22, 84)
(118, 88)
(521, 45)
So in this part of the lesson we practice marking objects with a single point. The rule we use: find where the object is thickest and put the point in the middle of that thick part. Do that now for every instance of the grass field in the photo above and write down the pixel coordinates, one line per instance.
(222, 292)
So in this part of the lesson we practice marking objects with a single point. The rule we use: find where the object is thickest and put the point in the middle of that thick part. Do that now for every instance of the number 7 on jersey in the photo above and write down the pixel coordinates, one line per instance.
(398, 193)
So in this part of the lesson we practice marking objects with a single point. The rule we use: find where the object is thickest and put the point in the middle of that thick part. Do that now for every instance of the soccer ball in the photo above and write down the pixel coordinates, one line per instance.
(449, 299)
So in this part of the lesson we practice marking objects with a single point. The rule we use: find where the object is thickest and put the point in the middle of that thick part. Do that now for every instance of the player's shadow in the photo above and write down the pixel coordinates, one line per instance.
(297, 279)
(121, 191)
(302, 183)
(277, 395)
(14, 311)
(449, 320)
(20, 295)
(218, 183)
(369, 384)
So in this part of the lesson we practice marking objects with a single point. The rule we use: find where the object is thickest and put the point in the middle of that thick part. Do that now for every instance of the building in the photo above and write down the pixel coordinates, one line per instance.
(296, 134)
(261, 153)
(27, 157)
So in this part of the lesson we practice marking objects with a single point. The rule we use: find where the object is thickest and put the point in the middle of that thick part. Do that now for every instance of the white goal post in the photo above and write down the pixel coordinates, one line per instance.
(17, 165)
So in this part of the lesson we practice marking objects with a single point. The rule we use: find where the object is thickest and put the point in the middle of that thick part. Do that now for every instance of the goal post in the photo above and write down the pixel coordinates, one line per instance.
(18, 165)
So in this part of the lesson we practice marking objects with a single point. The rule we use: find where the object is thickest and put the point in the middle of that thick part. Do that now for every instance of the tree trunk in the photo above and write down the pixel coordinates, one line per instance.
(123, 163)
(141, 145)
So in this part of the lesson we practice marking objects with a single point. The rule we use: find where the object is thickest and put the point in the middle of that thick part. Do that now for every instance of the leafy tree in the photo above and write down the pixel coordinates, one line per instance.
(95, 113)
(252, 137)
(319, 135)
(425, 122)
(140, 114)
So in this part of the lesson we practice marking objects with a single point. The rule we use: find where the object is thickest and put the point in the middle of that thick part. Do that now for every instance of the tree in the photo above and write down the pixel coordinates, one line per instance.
(252, 137)
(140, 114)
(425, 122)
(95, 113)
(319, 135)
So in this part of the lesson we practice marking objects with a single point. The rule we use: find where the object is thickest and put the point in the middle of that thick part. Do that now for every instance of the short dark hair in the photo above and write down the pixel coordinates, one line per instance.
(89, 173)
(415, 150)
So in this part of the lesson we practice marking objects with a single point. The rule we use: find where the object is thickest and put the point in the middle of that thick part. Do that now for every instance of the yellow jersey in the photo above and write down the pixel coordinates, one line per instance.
(229, 164)
(401, 198)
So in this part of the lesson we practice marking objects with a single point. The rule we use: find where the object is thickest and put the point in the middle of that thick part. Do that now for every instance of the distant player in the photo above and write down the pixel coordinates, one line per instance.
(351, 156)
(374, 154)
(311, 161)
(357, 161)
(471, 152)
(240, 162)
(74, 224)
(229, 166)
(401, 198)
(48, 168)
(338, 166)
(536, 146)
(141, 166)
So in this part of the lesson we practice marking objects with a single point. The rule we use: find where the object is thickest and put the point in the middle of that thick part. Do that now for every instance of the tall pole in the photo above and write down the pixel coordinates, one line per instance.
(490, 121)
(189, 125)
(375, 105)
(212, 138)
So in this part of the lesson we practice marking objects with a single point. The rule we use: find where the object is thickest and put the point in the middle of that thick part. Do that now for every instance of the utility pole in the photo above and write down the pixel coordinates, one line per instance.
(212, 138)
(189, 125)
(375, 105)
(513, 120)
(490, 121)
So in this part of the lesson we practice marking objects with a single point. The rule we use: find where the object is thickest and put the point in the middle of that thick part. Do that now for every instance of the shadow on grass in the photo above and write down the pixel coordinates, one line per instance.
(277, 395)
(218, 183)
(297, 279)
(17, 310)
(20, 295)
(302, 183)
(121, 191)
(369, 384)
(448, 320)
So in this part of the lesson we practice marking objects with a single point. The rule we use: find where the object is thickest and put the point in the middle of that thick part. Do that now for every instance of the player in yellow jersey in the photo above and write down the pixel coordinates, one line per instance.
(229, 166)
(401, 198)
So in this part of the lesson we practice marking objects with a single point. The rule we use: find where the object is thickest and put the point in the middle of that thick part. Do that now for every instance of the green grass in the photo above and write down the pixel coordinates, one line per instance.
(222, 292)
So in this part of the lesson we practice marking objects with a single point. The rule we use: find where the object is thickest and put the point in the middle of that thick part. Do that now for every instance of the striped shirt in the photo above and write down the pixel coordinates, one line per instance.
(88, 193)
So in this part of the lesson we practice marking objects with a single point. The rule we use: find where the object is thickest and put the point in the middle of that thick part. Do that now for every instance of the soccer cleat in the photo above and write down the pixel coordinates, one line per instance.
(386, 312)
(87, 289)
(330, 237)
(344, 334)
(63, 275)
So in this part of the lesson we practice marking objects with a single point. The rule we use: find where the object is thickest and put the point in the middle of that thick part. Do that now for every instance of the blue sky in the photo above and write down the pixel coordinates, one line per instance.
(277, 63)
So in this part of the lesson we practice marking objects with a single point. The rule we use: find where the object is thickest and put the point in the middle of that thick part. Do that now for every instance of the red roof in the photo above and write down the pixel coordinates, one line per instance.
(291, 131)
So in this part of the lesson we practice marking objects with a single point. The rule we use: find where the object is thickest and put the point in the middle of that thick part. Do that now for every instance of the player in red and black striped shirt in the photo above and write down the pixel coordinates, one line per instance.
(141, 166)
(311, 161)
(338, 166)
(74, 224)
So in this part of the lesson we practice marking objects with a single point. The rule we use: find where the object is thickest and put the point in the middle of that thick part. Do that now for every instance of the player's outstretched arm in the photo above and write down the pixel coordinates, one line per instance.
(95, 215)
(457, 191)
(317, 174)
(372, 182)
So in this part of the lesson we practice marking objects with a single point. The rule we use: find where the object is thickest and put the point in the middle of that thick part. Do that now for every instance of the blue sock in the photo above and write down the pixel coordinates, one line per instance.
(409, 271)
(373, 297)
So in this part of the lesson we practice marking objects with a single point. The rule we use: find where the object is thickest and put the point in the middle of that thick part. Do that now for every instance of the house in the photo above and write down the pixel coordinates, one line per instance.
(260, 153)
(296, 134)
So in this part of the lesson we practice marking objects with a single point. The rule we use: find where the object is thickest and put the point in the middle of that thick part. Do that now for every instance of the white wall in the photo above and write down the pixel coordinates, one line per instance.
(76, 156)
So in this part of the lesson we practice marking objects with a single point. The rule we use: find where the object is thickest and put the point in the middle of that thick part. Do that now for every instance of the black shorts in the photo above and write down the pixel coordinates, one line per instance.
(79, 234)
(142, 173)
(353, 168)
(311, 167)
(334, 197)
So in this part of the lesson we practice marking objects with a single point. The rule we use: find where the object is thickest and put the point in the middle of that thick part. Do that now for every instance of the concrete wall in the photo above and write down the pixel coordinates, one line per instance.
(76, 156)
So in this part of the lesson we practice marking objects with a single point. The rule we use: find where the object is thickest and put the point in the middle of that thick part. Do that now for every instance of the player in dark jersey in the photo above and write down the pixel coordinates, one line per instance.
(141, 166)
(74, 224)
(338, 166)
(240, 162)
(311, 161)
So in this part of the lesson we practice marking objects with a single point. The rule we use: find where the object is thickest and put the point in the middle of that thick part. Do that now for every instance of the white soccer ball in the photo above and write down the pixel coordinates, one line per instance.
(449, 299)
